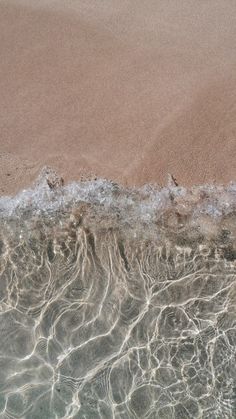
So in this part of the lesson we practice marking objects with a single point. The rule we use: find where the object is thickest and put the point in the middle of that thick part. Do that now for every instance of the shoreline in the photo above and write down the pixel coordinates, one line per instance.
(127, 93)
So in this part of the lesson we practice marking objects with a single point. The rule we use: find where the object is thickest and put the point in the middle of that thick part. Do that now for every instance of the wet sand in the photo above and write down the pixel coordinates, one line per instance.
(126, 90)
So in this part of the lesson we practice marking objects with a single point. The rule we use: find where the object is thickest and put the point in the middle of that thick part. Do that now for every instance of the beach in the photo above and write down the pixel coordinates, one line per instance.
(117, 209)
(128, 91)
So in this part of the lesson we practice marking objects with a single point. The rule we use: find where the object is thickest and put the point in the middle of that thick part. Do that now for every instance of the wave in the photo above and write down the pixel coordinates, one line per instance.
(145, 204)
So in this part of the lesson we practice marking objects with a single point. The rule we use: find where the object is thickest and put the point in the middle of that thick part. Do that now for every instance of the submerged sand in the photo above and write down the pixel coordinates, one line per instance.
(118, 303)
(129, 90)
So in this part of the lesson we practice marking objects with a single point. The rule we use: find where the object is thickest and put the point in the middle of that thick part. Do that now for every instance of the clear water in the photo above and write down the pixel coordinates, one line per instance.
(118, 303)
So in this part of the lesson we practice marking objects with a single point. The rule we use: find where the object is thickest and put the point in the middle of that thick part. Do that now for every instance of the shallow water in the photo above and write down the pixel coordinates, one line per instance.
(118, 303)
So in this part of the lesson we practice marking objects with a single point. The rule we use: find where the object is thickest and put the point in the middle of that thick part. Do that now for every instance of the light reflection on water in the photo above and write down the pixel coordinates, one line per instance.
(101, 317)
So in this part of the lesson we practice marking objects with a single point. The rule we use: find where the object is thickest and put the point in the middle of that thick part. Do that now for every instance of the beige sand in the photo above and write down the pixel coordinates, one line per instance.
(128, 89)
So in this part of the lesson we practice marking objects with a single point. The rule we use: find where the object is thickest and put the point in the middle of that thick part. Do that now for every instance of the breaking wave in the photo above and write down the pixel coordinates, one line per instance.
(118, 302)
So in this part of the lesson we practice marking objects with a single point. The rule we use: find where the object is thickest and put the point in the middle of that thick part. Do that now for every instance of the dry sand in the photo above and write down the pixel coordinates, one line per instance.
(128, 89)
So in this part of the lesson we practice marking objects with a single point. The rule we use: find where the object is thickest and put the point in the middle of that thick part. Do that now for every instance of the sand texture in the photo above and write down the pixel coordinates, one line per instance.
(129, 90)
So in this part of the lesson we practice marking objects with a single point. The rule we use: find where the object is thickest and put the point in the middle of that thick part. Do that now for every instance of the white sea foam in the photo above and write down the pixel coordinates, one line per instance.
(145, 203)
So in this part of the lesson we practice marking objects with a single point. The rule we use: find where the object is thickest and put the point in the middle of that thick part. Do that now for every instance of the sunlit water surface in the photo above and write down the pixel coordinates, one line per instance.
(118, 303)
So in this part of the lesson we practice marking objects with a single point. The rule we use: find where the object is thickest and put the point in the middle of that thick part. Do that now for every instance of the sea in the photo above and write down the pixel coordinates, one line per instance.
(118, 302)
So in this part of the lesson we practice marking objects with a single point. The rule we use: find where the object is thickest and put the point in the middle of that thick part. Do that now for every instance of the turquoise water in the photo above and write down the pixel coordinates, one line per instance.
(118, 303)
